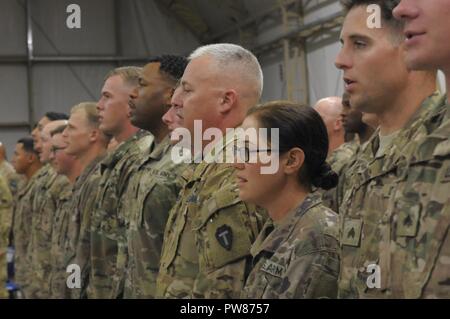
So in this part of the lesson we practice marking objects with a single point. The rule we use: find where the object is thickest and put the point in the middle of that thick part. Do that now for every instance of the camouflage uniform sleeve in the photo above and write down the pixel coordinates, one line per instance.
(340, 161)
(82, 249)
(5, 213)
(420, 242)
(316, 260)
(149, 223)
(299, 262)
(5, 226)
(42, 236)
(315, 274)
(307, 273)
(225, 229)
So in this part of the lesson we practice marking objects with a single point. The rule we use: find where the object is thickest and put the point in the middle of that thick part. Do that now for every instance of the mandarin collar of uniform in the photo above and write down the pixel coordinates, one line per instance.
(157, 150)
(88, 170)
(427, 107)
(283, 229)
(225, 141)
(40, 172)
(112, 158)
(447, 114)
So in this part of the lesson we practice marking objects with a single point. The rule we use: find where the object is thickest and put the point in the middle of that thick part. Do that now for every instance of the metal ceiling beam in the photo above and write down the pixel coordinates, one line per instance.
(13, 59)
(14, 125)
(168, 10)
(259, 16)
(81, 59)
(303, 31)
(117, 37)
(73, 59)
(30, 49)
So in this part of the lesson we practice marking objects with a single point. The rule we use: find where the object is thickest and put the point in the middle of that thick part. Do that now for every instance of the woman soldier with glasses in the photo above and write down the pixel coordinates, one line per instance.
(296, 253)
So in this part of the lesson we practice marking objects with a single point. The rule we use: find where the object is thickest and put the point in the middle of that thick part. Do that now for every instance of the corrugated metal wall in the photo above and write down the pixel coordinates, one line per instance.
(135, 28)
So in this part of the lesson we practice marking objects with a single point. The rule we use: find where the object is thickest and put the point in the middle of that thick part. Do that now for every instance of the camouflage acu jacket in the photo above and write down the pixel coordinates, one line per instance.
(369, 185)
(208, 236)
(299, 257)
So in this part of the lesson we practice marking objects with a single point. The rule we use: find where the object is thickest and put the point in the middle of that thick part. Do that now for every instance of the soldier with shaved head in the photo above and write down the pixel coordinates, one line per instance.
(330, 110)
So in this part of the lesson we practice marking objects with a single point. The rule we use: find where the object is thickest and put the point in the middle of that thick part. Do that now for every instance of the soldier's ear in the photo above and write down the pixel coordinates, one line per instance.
(31, 158)
(227, 101)
(94, 135)
(338, 124)
(293, 161)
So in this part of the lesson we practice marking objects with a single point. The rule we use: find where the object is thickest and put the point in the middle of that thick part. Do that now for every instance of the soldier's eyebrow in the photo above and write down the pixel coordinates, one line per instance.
(355, 37)
(184, 83)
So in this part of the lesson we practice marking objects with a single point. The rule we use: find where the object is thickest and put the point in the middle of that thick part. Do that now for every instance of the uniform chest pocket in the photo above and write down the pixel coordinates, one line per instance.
(271, 280)
(143, 193)
(419, 236)
(107, 211)
(222, 236)
(174, 243)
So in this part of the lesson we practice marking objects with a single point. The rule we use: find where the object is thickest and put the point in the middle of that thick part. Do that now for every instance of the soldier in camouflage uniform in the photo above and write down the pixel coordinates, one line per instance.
(88, 145)
(107, 226)
(418, 235)
(206, 249)
(57, 277)
(344, 155)
(339, 161)
(371, 180)
(340, 150)
(14, 180)
(26, 162)
(44, 207)
(308, 237)
(68, 166)
(154, 184)
(6, 203)
(330, 109)
(417, 262)
(296, 253)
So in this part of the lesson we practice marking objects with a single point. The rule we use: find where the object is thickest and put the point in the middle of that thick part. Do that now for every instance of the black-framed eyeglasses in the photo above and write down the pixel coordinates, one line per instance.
(243, 152)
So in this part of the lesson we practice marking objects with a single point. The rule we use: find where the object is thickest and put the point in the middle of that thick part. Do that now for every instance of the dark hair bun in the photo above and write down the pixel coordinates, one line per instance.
(325, 177)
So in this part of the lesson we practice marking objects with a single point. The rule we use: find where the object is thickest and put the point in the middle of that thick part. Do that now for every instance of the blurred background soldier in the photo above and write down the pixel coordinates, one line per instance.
(25, 162)
(87, 143)
(107, 225)
(44, 208)
(6, 202)
(156, 181)
(14, 180)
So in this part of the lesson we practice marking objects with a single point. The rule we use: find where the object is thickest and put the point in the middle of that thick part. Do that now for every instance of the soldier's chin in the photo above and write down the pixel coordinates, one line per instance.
(243, 195)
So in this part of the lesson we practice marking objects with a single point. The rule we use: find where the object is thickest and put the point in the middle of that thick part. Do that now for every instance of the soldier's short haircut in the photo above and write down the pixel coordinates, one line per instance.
(28, 144)
(58, 130)
(172, 66)
(231, 56)
(90, 110)
(129, 74)
(386, 6)
(55, 116)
